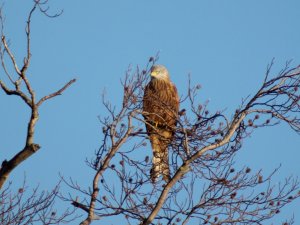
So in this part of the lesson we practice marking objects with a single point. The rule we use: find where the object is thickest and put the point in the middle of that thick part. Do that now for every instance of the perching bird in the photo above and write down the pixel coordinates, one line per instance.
(160, 110)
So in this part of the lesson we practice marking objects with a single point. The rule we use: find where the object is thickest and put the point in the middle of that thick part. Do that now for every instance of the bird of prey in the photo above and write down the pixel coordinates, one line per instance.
(160, 111)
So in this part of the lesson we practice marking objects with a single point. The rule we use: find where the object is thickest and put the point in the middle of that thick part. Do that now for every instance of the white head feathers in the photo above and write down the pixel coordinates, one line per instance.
(159, 72)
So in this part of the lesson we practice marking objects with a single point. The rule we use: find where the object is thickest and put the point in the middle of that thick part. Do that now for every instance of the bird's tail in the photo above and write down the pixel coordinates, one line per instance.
(160, 166)
(160, 161)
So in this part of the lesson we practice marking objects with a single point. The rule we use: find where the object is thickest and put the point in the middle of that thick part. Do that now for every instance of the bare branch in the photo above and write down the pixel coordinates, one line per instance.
(8, 166)
(30, 147)
(59, 92)
(16, 92)
(11, 56)
(28, 207)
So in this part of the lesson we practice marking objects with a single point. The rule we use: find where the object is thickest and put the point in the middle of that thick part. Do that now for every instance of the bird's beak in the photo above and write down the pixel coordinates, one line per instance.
(153, 74)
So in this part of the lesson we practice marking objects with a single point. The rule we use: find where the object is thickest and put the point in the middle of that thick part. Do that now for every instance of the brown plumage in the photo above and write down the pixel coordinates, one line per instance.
(160, 110)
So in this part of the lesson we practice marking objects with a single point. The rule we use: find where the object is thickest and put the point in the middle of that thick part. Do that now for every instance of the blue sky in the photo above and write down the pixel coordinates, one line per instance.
(224, 45)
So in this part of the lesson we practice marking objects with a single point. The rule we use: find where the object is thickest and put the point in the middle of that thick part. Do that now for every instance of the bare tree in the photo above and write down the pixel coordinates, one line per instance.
(205, 186)
(16, 208)
(39, 207)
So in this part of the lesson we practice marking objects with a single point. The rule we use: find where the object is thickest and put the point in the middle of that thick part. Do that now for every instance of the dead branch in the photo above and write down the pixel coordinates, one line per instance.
(31, 206)
(59, 92)
(30, 98)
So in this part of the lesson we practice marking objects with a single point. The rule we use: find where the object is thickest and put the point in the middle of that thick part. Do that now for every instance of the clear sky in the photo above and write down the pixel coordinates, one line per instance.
(224, 45)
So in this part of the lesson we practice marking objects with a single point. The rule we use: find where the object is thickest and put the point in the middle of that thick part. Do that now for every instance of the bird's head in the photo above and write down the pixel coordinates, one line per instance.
(159, 72)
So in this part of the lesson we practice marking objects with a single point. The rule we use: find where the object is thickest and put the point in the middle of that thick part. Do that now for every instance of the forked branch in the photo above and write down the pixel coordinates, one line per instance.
(30, 98)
